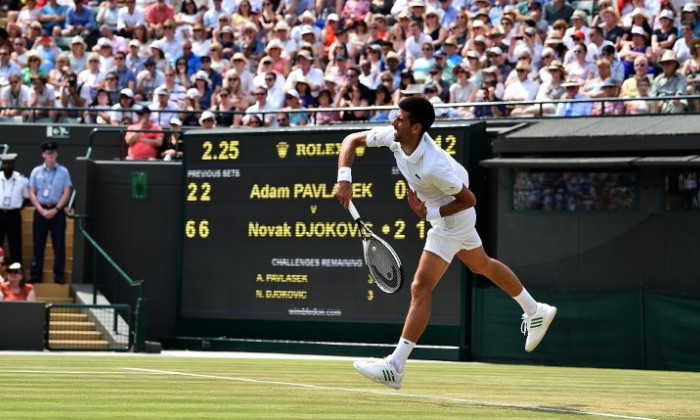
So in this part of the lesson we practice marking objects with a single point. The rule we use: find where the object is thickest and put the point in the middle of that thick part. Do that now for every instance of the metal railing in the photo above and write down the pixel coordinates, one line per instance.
(98, 251)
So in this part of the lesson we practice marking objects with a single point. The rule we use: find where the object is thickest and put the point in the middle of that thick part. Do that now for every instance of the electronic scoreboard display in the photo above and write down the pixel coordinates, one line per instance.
(266, 239)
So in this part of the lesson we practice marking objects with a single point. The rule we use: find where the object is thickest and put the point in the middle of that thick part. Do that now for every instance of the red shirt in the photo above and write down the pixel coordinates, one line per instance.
(155, 14)
(141, 150)
(9, 295)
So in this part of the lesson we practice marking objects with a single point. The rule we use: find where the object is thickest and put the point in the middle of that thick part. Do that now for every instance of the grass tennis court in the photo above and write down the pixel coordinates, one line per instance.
(190, 385)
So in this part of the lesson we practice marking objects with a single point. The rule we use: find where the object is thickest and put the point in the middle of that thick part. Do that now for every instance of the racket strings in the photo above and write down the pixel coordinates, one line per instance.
(382, 265)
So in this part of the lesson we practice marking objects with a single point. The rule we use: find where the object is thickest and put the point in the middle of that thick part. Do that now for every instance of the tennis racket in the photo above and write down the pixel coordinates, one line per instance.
(383, 263)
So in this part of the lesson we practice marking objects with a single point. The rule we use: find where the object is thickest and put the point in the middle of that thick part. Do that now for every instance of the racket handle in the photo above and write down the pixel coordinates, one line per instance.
(353, 211)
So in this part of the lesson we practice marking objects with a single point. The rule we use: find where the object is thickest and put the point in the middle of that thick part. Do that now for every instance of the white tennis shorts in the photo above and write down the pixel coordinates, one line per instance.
(451, 234)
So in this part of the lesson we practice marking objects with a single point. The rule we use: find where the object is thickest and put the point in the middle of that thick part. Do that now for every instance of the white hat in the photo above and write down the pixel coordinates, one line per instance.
(127, 92)
(104, 42)
(638, 30)
(161, 90)
(275, 43)
(333, 16)
(307, 15)
(175, 121)
(206, 115)
(134, 43)
(495, 50)
(307, 29)
(281, 25)
(8, 156)
(203, 76)
(292, 92)
(78, 40)
(666, 14)
(690, 7)
(192, 93)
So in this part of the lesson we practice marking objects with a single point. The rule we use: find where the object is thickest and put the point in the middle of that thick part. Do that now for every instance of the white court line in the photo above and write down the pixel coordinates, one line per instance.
(393, 394)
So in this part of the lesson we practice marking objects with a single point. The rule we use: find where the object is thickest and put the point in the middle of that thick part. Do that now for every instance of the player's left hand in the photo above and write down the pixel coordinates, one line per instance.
(415, 203)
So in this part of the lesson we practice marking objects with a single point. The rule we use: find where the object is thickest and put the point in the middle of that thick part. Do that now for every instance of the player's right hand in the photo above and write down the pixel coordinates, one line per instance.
(416, 204)
(344, 193)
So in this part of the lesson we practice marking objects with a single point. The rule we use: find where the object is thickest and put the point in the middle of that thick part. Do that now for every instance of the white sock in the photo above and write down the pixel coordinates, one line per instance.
(401, 353)
(526, 302)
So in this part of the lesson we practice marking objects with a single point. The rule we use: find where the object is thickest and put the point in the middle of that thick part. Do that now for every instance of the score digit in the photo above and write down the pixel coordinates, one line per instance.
(193, 189)
(227, 150)
(400, 189)
(194, 229)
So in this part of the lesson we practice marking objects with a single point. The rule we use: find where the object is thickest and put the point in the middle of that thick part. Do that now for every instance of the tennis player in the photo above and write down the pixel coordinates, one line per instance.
(439, 192)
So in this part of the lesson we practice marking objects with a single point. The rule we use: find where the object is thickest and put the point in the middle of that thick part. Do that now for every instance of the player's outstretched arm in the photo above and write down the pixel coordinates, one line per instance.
(345, 159)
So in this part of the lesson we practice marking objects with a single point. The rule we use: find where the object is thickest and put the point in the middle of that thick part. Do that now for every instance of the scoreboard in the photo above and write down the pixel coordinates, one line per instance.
(266, 239)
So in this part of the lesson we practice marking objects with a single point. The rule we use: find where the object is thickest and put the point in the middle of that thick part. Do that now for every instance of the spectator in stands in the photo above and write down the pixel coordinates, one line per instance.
(173, 145)
(7, 66)
(635, 48)
(639, 106)
(303, 86)
(325, 100)
(593, 88)
(498, 59)
(211, 17)
(682, 46)
(104, 52)
(156, 15)
(128, 18)
(293, 103)
(33, 68)
(176, 91)
(182, 72)
(108, 15)
(207, 120)
(579, 67)
(73, 95)
(190, 109)
(48, 51)
(15, 95)
(132, 59)
(162, 108)
(61, 72)
(15, 288)
(126, 78)
(487, 93)
(79, 20)
(200, 44)
(351, 96)
(52, 18)
(117, 42)
(218, 62)
(421, 64)
(234, 83)
(283, 120)
(249, 36)
(558, 9)
(665, 36)
(28, 13)
(44, 96)
(19, 51)
(522, 89)
(77, 54)
(148, 80)
(461, 91)
(253, 119)
(442, 85)
(144, 145)
(415, 42)
(629, 86)
(689, 13)
(4, 263)
(98, 111)
(612, 31)
(691, 71)
(261, 105)
(610, 89)
(49, 189)
(186, 18)
(124, 111)
(204, 88)
(92, 76)
(141, 35)
(214, 76)
(306, 69)
(15, 193)
(573, 109)
(223, 107)
(551, 90)
(670, 83)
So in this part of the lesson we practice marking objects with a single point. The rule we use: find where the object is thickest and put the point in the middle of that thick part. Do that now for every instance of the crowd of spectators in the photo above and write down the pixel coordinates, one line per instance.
(271, 62)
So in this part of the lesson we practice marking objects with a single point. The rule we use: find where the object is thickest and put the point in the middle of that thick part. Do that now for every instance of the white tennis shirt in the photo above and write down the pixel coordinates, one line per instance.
(430, 171)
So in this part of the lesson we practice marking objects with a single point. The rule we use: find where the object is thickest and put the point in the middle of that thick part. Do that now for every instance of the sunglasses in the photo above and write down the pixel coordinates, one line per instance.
(260, 94)
(269, 79)
(110, 78)
(208, 120)
(13, 271)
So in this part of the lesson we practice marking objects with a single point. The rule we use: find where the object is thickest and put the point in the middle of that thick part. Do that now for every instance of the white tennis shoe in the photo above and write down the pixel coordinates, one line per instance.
(381, 371)
(536, 325)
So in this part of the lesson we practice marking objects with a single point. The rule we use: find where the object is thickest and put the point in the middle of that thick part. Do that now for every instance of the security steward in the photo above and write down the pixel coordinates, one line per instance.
(49, 189)
(15, 190)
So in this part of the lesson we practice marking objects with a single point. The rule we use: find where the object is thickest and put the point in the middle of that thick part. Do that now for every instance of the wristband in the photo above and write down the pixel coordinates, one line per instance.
(344, 174)
(433, 213)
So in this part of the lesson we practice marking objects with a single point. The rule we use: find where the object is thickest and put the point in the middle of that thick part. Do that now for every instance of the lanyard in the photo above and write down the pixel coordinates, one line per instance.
(11, 188)
(47, 185)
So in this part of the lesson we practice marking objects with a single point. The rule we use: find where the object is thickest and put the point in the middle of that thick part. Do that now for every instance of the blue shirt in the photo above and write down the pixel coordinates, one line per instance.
(84, 18)
(50, 10)
(49, 184)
